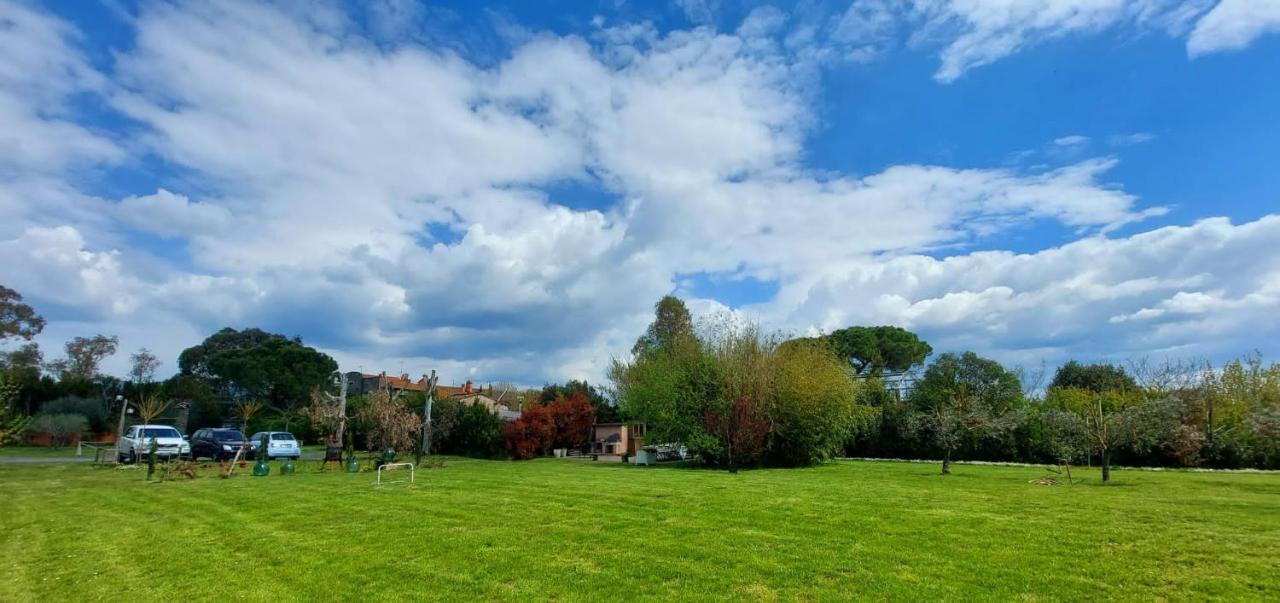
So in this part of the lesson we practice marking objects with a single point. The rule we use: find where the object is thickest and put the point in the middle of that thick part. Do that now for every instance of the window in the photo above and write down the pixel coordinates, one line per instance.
(228, 435)
(161, 432)
(282, 437)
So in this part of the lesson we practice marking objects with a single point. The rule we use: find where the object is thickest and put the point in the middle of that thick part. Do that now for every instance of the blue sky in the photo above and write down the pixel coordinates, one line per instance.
(502, 192)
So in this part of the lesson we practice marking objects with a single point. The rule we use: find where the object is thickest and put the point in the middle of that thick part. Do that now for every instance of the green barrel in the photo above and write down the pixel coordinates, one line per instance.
(261, 468)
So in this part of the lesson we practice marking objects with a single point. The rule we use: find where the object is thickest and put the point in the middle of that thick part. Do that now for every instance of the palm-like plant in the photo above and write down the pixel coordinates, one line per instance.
(246, 409)
(150, 407)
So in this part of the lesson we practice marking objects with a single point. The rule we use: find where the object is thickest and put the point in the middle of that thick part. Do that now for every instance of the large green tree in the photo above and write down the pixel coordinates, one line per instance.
(1096, 378)
(672, 389)
(875, 350)
(671, 324)
(84, 356)
(963, 399)
(254, 364)
(16, 318)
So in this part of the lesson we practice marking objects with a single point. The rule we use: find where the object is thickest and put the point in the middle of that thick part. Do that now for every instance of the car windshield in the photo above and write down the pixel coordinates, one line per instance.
(279, 437)
(229, 435)
(160, 432)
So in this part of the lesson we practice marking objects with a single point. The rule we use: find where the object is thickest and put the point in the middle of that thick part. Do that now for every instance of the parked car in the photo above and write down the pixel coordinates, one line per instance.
(218, 444)
(136, 443)
(280, 445)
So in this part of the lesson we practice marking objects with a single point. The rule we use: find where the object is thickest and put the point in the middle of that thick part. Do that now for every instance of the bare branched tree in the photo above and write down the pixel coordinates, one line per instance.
(392, 424)
(1032, 379)
(505, 393)
(1166, 376)
(324, 412)
(144, 365)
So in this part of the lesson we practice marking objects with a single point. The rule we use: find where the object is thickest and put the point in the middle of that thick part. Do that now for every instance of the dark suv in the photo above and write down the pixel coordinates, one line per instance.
(219, 444)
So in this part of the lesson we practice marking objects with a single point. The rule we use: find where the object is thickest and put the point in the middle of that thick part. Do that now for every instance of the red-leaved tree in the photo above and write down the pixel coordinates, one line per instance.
(531, 434)
(573, 418)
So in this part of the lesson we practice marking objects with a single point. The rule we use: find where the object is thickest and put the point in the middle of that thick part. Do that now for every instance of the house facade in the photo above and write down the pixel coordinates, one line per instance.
(622, 439)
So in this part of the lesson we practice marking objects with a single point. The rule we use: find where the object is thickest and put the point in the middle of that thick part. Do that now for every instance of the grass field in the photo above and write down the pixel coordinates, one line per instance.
(41, 451)
(569, 530)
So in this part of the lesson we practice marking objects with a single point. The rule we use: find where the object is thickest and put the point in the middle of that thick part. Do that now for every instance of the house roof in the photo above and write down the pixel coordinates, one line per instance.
(403, 382)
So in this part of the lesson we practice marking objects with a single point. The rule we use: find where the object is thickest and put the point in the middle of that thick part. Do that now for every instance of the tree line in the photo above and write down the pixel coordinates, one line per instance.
(248, 376)
(735, 397)
(263, 381)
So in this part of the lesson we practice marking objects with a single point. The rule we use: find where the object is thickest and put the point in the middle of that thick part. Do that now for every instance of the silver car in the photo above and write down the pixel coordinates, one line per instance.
(280, 445)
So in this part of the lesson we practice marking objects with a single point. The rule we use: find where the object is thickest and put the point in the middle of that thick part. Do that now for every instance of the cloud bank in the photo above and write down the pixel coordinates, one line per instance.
(405, 205)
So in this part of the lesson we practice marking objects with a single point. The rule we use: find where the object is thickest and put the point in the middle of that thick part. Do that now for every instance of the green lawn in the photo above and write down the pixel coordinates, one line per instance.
(570, 530)
(42, 451)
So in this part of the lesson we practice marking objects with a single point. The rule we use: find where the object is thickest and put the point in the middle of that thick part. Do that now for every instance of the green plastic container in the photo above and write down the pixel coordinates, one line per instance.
(261, 468)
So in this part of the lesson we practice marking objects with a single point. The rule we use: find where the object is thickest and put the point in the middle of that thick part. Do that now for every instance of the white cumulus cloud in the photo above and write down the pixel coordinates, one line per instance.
(404, 204)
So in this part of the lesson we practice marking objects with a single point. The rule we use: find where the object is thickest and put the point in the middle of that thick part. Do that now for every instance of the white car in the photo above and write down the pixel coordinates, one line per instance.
(280, 445)
(135, 444)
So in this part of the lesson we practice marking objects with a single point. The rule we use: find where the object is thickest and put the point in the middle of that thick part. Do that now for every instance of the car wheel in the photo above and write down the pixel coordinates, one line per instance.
(120, 457)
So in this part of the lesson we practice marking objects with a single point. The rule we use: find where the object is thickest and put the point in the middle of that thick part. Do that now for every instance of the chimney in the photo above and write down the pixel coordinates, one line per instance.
(466, 387)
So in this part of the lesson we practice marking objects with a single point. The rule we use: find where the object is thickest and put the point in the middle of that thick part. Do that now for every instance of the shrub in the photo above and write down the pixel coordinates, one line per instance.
(530, 435)
(478, 432)
(62, 428)
(812, 405)
(735, 397)
(93, 410)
